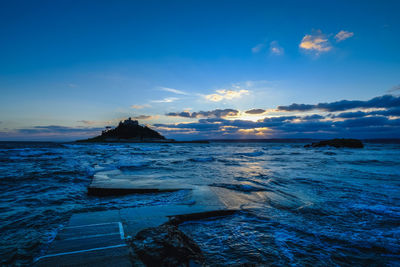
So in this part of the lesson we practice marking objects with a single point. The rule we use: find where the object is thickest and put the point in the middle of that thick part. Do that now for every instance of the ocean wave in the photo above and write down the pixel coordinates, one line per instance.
(30, 153)
(206, 159)
(229, 162)
(325, 209)
(250, 154)
(129, 164)
(378, 209)
(373, 162)
(149, 149)
(239, 187)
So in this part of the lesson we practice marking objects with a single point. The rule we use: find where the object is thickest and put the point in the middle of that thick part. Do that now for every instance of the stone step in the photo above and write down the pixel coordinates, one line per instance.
(98, 244)
(84, 243)
(92, 230)
(99, 257)
(96, 217)
(115, 182)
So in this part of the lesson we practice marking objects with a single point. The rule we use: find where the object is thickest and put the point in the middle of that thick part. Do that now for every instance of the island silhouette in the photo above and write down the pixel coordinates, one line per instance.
(128, 131)
(131, 131)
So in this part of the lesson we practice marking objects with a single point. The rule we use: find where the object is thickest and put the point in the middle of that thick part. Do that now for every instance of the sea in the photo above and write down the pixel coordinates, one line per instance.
(300, 206)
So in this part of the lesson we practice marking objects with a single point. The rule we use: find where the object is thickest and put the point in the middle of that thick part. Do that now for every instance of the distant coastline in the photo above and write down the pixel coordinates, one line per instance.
(271, 140)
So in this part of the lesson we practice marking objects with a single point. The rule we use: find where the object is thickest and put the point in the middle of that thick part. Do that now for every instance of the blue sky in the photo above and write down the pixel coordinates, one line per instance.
(69, 68)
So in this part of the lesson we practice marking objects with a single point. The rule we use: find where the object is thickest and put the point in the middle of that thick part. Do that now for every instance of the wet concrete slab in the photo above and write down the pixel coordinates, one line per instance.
(94, 218)
(107, 257)
(115, 182)
(99, 244)
(240, 200)
(85, 243)
(99, 238)
(92, 230)
(137, 219)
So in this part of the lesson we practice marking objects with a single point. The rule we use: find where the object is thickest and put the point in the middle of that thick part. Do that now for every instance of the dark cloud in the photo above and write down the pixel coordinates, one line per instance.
(217, 113)
(87, 122)
(255, 111)
(55, 129)
(388, 112)
(373, 126)
(394, 89)
(347, 115)
(312, 117)
(50, 132)
(385, 101)
(276, 121)
(142, 117)
(297, 107)
(183, 114)
(363, 122)
(359, 114)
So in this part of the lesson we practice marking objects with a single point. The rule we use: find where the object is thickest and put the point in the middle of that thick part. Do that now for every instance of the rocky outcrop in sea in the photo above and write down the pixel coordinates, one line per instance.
(128, 131)
(338, 143)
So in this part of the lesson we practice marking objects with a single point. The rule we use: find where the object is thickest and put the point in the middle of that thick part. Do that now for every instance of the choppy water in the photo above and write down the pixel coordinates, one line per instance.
(313, 206)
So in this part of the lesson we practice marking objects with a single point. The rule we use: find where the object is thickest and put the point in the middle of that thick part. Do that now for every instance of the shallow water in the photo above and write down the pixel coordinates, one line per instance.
(306, 206)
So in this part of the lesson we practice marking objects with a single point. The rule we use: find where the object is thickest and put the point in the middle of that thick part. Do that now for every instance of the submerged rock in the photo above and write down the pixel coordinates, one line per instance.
(166, 245)
(350, 143)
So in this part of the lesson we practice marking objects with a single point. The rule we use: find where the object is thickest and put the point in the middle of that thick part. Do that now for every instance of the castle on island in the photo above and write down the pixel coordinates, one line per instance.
(131, 131)
(128, 131)
(128, 122)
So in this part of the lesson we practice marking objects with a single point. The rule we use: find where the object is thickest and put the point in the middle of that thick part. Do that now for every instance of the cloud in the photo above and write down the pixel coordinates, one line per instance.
(57, 129)
(343, 35)
(297, 107)
(365, 122)
(258, 48)
(380, 119)
(313, 126)
(50, 132)
(144, 117)
(312, 117)
(316, 42)
(87, 122)
(276, 49)
(172, 90)
(183, 114)
(138, 106)
(394, 89)
(348, 115)
(385, 101)
(224, 94)
(255, 111)
(217, 113)
(166, 100)
(394, 112)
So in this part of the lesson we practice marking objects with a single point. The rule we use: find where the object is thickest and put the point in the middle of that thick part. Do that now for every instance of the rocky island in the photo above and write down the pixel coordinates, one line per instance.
(128, 131)
(338, 143)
